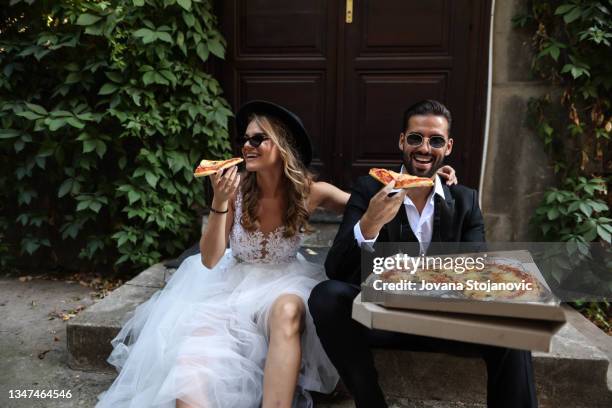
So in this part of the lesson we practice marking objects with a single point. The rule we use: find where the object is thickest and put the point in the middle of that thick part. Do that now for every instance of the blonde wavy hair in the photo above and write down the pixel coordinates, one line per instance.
(297, 181)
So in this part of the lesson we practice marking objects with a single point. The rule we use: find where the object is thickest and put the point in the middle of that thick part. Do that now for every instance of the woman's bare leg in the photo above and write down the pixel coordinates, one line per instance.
(182, 404)
(286, 323)
(185, 362)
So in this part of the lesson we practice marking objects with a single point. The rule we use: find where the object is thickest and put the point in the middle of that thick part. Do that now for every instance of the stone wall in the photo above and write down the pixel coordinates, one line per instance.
(516, 166)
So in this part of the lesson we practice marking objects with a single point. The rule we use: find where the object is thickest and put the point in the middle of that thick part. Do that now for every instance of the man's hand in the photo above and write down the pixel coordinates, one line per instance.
(381, 210)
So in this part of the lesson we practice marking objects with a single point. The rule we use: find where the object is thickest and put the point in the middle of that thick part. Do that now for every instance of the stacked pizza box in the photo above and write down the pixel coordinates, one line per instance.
(517, 319)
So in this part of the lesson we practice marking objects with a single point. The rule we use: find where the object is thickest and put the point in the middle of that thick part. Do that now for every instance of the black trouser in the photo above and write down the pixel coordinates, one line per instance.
(348, 344)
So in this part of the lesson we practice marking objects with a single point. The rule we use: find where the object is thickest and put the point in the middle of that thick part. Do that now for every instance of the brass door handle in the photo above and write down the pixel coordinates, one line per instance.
(349, 12)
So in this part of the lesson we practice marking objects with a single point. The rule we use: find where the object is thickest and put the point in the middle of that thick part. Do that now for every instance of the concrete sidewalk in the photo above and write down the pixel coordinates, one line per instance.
(33, 351)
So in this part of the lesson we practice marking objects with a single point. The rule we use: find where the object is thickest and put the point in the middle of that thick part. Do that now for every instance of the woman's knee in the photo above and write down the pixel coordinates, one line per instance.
(287, 316)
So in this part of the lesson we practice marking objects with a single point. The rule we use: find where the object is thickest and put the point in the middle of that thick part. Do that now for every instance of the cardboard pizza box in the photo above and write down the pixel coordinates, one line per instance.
(549, 310)
(496, 331)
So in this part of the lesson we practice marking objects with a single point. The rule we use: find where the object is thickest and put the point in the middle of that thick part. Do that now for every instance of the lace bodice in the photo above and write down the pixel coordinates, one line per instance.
(259, 247)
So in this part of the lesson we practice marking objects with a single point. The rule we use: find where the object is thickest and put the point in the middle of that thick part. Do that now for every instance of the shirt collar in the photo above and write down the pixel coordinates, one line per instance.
(438, 189)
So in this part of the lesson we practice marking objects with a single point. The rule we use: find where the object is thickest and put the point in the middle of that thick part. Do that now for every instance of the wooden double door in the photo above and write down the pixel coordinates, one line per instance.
(350, 81)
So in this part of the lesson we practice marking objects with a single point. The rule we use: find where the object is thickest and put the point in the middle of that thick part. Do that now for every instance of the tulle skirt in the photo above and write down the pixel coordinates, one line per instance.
(204, 338)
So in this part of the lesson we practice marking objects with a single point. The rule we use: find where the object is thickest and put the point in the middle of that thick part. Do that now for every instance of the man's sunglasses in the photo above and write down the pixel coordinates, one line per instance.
(256, 140)
(416, 139)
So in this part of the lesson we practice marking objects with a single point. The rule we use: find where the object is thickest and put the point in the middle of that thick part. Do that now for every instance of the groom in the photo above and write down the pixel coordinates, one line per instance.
(439, 214)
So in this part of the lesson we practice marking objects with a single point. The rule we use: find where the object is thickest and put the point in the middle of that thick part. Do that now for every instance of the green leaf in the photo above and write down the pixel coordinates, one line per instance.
(216, 48)
(553, 213)
(55, 124)
(555, 52)
(586, 209)
(186, 4)
(87, 19)
(29, 115)
(95, 206)
(146, 35)
(65, 188)
(189, 19)
(100, 148)
(108, 88)
(133, 196)
(89, 146)
(202, 51)
(603, 234)
(563, 9)
(95, 29)
(82, 205)
(73, 78)
(114, 76)
(139, 3)
(8, 133)
(29, 245)
(75, 123)
(572, 15)
(159, 79)
(37, 109)
(151, 179)
(148, 78)
(60, 113)
(164, 37)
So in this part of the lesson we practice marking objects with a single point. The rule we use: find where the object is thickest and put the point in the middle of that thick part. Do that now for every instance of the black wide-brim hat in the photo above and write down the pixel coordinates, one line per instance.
(303, 144)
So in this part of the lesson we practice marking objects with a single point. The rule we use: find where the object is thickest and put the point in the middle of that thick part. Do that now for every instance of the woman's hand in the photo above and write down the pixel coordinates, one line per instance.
(225, 184)
(447, 173)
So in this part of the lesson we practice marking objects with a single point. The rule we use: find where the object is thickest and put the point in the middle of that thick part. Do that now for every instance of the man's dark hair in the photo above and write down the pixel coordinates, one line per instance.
(426, 107)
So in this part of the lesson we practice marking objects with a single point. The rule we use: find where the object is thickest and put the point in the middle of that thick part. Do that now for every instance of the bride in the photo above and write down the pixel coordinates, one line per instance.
(231, 327)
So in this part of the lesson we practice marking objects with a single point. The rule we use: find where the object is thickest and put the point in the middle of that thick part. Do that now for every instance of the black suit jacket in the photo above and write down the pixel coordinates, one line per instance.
(456, 219)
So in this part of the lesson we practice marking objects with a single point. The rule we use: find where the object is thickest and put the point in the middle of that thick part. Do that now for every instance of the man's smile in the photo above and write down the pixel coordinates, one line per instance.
(421, 163)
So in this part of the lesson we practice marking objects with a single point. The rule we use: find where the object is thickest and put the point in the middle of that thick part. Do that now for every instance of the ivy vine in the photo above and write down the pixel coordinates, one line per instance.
(105, 107)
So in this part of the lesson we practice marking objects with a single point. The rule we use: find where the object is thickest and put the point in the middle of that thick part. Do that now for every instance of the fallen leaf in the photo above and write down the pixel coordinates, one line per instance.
(41, 355)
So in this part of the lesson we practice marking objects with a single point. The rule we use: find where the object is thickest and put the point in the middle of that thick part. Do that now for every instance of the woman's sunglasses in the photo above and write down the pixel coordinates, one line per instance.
(416, 139)
(256, 140)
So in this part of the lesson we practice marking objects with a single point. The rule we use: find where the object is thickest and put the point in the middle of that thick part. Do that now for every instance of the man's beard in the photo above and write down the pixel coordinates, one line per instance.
(435, 166)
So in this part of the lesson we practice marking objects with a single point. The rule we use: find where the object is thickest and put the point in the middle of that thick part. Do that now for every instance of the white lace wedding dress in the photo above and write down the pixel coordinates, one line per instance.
(204, 337)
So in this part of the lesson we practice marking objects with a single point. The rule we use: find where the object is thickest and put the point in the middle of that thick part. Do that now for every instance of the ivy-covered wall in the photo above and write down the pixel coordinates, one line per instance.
(105, 108)
(548, 159)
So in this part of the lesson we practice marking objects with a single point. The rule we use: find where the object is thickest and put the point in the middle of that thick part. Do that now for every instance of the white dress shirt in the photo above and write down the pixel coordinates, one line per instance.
(421, 224)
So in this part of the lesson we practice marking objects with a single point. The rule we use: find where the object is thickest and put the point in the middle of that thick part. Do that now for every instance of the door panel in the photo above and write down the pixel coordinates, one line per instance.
(398, 52)
(388, 30)
(281, 28)
(285, 52)
(380, 115)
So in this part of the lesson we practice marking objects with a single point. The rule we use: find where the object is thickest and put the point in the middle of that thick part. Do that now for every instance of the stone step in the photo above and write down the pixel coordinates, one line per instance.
(403, 403)
(575, 373)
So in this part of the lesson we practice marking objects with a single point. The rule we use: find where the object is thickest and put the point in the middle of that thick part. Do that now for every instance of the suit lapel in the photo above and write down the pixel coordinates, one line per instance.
(443, 216)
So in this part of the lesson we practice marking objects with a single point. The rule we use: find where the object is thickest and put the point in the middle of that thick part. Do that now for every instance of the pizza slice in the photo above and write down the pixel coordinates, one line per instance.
(208, 167)
(401, 180)
(501, 273)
